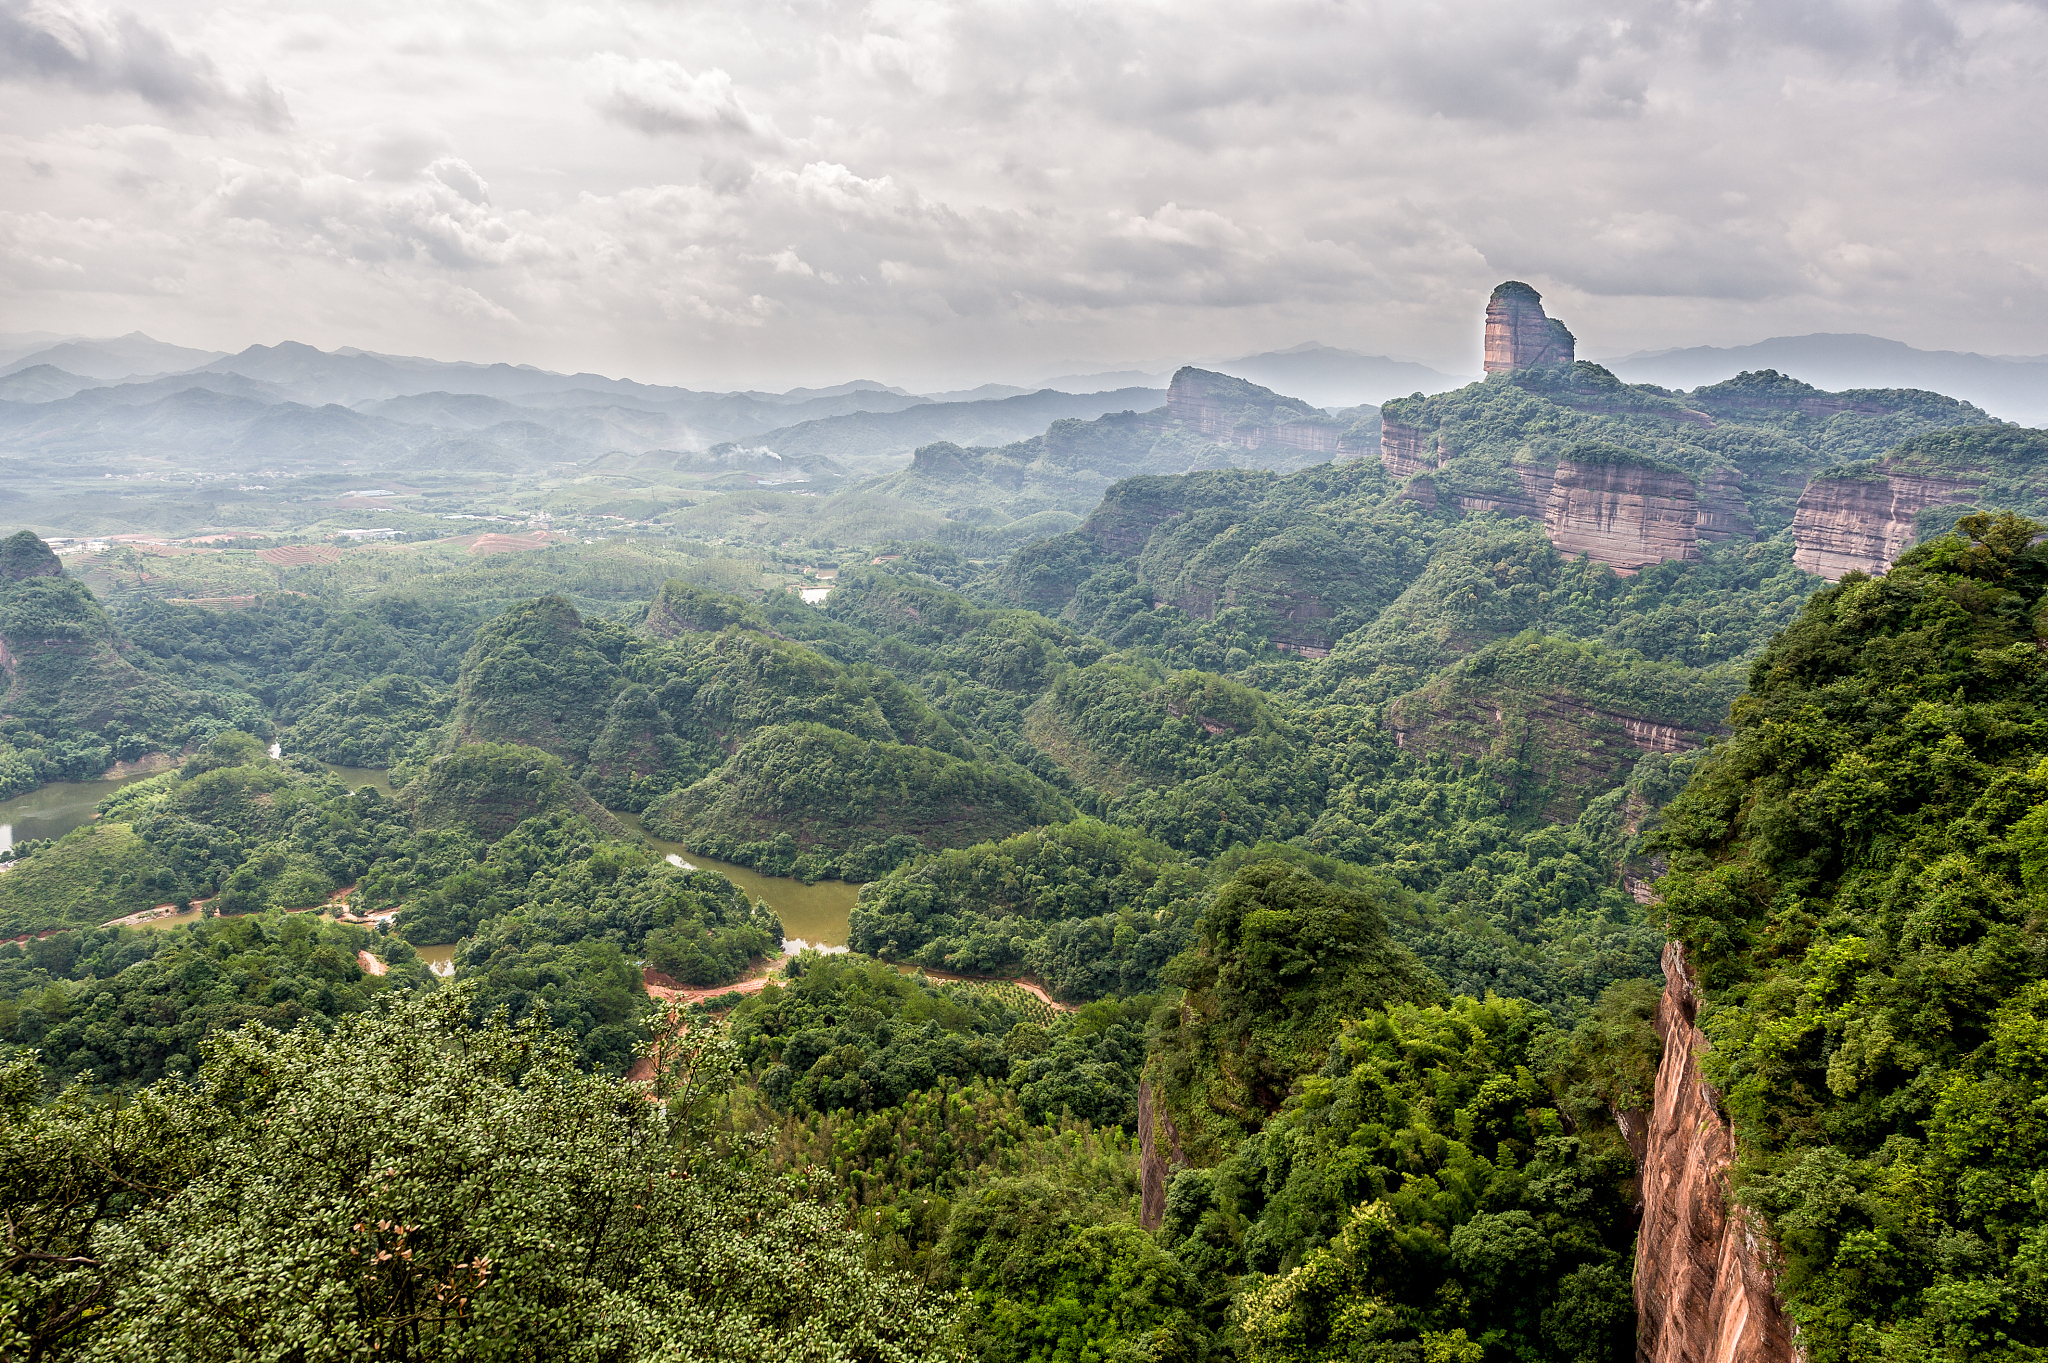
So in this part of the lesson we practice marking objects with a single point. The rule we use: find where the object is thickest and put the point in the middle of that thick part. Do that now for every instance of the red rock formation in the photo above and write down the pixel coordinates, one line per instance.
(1404, 450)
(1528, 499)
(1703, 1285)
(1724, 513)
(1519, 335)
(1570, 745)
(1624, 515)
(1863, 523)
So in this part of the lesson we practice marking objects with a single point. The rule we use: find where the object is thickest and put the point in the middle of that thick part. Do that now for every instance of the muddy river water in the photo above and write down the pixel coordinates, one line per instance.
(812, 916)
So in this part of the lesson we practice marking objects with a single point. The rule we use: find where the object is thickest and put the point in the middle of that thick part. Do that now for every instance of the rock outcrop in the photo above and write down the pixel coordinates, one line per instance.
(1571, 745)
(1626, 515)
(1861, 521)
(1528, 497)
(1703, 1283)
(1159, 1156)
(1518, 334)
(1404, 450)
(1724, 511)
(1233, 411)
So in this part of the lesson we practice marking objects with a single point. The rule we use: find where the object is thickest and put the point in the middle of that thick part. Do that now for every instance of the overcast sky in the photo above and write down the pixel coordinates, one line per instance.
(757, 193)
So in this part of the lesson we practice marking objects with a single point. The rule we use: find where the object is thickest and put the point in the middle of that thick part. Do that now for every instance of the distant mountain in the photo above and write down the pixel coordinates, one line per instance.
(2013, 388)
(879, 441)
(1329, 377)
(15, 344)
(1324, 376)
(1105, 380)
(41, 383)
(117, 358)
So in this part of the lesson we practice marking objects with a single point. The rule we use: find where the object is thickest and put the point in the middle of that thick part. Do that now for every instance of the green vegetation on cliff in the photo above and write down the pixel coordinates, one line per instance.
(1860, 878)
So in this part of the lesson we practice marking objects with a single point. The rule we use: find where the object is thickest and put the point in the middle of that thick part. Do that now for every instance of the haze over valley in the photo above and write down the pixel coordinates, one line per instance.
(726, 685)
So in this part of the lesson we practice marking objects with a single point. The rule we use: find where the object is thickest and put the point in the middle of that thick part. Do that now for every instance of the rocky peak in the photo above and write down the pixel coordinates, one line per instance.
(23, 555)
(1519, 335)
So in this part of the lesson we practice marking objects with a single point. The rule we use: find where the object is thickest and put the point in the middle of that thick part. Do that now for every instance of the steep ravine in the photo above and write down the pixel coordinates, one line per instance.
(1703, 1284)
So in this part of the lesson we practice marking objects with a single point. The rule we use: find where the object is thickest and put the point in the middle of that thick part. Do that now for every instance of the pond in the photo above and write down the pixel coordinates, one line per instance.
(812, 915)
(54, 810)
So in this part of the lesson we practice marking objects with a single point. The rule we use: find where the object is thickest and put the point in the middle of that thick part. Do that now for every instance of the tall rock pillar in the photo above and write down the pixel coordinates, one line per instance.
(1519, 335)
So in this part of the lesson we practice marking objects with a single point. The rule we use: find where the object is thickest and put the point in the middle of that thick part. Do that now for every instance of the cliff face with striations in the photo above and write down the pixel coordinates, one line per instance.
(1404, 450)
(1863, 522)
(1572, 746)
(1518, 334)
(1236, 412)
(1703, 1285)
(1624, 515)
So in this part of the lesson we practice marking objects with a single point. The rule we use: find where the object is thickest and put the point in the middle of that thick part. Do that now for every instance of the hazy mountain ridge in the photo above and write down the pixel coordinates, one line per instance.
(2011, 387)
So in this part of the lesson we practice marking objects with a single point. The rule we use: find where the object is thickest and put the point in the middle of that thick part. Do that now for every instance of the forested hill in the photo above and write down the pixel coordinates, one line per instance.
(1324, 806)
(1860, 880)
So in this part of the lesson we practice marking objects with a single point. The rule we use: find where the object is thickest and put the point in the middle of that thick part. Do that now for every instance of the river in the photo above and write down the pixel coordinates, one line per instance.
(54, 810)
(812, 915)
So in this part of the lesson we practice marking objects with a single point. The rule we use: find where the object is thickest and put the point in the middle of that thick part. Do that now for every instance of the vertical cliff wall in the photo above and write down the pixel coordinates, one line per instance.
(1624, 515)
(1236, 412)
(1864, 522)
(1404, 450)
(1518, 334)
(1703, 1284)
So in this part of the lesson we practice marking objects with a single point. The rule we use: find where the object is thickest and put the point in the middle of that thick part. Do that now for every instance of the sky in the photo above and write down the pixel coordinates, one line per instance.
(759, 194)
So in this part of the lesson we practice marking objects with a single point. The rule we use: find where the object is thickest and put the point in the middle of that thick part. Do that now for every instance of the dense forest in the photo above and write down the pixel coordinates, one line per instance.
(1288, 857)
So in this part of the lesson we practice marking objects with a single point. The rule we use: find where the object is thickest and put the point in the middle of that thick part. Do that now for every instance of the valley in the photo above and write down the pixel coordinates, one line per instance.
(1549, 868)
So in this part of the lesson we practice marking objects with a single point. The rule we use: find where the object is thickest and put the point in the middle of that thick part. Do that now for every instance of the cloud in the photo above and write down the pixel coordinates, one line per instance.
(100, 52)
(660, 97)
(760, 191)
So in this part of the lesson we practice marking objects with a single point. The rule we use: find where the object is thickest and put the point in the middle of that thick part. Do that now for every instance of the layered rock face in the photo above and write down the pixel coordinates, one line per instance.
(1863, 523)
(1216, 405)
(1724, 512)
(1572, 747)
(1518, 334)
(1624, 515)
(1528, 498)
(1703, 1286)
(1404, 450)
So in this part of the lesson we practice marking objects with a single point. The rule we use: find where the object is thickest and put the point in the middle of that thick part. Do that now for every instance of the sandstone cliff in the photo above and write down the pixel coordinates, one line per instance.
(1627, 515)
(1235, 412)
(1573, 749)
(1159, 1156)
(1519, 335)
(1703, 1284)
(1406, 451)
(1862, 521)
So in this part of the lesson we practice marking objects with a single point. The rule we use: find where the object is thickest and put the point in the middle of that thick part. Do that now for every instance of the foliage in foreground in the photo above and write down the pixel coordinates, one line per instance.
(413, 1187)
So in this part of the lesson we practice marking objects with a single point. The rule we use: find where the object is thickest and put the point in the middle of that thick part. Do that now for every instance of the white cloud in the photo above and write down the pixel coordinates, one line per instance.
(763, 192)
(661, 97)
(106, 52)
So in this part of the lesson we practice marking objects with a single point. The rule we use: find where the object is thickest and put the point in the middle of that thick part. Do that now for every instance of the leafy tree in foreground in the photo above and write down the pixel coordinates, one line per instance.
(413, 1188)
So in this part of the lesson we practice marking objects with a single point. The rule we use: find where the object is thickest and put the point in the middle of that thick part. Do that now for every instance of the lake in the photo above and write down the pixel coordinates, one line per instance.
(812, 915)
(54, 810)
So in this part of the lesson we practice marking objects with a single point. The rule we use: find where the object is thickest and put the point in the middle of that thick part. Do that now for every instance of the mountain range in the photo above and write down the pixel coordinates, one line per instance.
(2012, 387)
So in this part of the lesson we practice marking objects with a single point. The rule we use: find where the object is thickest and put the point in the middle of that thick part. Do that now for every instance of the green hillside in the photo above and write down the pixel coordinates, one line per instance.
(807, 798)
(1860, 879)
